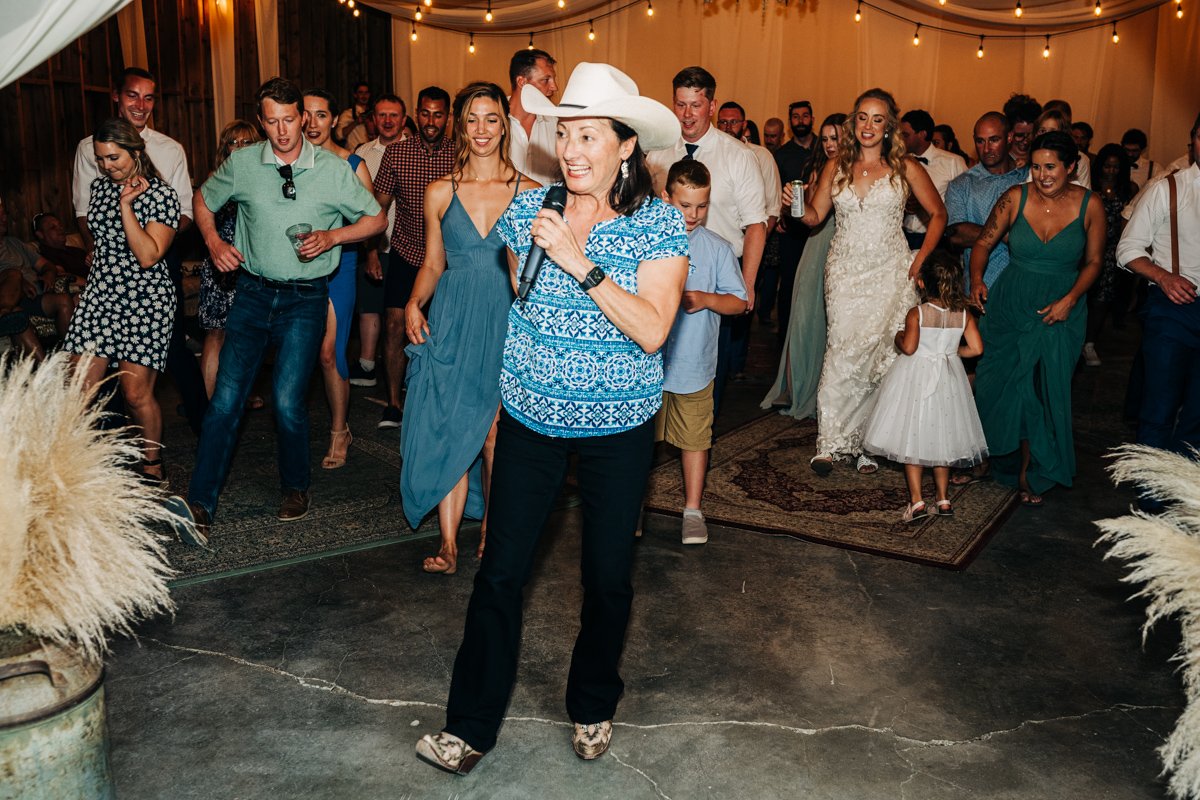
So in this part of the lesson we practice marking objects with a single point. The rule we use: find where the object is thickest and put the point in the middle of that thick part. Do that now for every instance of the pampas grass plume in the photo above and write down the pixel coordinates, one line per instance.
(1162, 552)
(79, 557)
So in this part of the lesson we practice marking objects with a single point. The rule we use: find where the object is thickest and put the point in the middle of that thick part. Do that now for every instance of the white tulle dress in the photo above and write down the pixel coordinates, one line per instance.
(924, 411)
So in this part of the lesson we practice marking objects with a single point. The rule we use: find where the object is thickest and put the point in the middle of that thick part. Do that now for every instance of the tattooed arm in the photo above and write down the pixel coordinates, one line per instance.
(997, 225)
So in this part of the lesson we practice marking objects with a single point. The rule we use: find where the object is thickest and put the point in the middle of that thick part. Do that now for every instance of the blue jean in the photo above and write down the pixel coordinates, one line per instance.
(292, 318)
(1169, 416)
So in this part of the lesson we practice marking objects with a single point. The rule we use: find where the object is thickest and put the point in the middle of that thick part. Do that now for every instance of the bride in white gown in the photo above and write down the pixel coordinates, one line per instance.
(870, 270)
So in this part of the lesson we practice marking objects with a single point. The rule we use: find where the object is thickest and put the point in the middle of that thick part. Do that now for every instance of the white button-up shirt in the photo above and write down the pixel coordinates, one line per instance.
(772, 185)
(1180, 163)
(1149, 230)
(737, 200)
(943, 167)
(534, 153)
(167, 155)
(372, 155)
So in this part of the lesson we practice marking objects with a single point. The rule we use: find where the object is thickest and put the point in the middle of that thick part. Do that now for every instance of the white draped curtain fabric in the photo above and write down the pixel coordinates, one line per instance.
(131, 27)
(765, 58)
(224, 55)
(31, 31)
(266, 16)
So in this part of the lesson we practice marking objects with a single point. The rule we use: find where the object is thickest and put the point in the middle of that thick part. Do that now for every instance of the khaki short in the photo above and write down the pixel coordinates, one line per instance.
(686, 420)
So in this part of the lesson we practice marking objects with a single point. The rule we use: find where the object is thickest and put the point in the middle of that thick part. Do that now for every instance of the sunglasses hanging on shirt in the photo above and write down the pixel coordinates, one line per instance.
(289, 186)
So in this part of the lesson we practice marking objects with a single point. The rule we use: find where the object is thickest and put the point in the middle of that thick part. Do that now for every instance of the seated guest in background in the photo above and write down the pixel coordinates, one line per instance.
(916, 129)
(1143, 170)
(15, 325)
(1054, 119)
(282, 297)
(321, 110)
(714, 288)
(1034, 324)
(389, 115)
(944, 138)
(127, 310)
(1022, 111)
(582, 374)
(453, 398)
(216, 287)
(1082, 133)
(1169, 257)
(1112, 184)
(970, 196)
(772, 134)
(28, 281)
(52, 245)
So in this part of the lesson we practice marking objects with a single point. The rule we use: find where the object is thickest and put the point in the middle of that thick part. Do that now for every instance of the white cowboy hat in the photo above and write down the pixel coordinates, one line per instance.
(602, 90)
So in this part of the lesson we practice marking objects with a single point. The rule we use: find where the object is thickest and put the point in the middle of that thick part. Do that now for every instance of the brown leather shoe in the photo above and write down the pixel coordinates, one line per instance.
(294, 506)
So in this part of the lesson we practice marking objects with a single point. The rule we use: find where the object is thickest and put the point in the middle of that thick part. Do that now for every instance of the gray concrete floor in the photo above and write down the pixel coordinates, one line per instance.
(755, 667)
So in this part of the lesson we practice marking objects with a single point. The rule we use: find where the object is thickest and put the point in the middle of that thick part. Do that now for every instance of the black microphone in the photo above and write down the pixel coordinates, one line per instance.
(556, 199)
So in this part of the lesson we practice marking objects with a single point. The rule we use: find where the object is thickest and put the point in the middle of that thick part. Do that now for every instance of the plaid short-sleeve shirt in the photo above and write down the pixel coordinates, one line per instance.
(407, 168)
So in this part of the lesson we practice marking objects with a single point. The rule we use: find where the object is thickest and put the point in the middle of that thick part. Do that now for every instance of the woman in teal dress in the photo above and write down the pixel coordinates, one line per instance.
(1034, 324)
(804, 346)
(453, 395)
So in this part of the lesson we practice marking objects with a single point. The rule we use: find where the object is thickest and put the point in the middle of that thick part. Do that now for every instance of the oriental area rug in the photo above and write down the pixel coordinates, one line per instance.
(759, 480)
(353, 508)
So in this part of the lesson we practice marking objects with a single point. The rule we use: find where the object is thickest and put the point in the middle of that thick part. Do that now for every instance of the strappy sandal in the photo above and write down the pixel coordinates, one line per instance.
(158, 481)
(944, 509)
(441, 564)
(330, 461)
(447, 751)
(821, 463)
(915, 511)
(866, 465)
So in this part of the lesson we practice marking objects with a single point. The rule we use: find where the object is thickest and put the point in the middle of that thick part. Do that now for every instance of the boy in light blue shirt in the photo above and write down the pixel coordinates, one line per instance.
(714, 288)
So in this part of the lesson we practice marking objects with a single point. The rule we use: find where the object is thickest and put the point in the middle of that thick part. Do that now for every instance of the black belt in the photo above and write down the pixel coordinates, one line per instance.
(311, 283)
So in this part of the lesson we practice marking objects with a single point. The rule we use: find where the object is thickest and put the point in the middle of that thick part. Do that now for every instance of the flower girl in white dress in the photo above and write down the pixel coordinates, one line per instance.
(925, 413)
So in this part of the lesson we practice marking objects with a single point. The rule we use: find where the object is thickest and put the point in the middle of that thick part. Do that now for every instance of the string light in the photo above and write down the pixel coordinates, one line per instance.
(417, 14)
(350, 4)
(1178, 10)
(428, 3)
(1097, 10)
(858, 12)
(979, 52)
(649, 8)
(591, 32)
(1116, 38)
(356, 12)
(531, 40)
(343, 2)
(562, 3)
(413, 35)
(917, 36)
(471, 45)
(941, 2)
(1046, 49)
(488, 16)
(1018, 11)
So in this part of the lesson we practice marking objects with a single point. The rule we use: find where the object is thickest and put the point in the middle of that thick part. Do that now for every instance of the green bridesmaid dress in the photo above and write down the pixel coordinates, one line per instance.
(1023, 382)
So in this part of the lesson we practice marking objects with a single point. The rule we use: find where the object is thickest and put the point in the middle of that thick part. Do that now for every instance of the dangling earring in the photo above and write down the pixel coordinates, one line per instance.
(624, 170)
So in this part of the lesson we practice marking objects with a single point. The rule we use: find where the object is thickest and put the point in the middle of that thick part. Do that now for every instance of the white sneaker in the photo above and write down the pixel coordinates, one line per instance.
(694, 529)
(1089, 355)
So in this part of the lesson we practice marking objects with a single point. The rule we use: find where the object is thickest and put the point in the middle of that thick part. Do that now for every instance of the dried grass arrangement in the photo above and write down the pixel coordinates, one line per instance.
(79, 556)
(1162, 551)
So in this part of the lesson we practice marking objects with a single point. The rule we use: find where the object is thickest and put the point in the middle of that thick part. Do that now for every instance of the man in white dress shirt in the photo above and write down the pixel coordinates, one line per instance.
(389, 114)
(1143, 170)
(134, 97)
(737, 211)
(531, 137)
(1161, 243)
(916, 129)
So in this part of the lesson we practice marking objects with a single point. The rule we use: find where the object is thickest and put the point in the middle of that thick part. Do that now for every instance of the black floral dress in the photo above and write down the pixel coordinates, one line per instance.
(216, 287)
(126, 311)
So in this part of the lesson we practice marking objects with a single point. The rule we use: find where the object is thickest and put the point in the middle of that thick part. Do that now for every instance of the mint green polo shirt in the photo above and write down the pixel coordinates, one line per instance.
(327, 194)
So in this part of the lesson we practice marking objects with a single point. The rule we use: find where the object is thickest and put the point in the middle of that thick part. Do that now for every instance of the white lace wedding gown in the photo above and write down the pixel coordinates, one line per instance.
(867, 294)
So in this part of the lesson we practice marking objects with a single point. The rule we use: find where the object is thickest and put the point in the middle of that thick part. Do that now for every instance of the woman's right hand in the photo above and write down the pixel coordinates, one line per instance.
(415, 324)
(979, 294)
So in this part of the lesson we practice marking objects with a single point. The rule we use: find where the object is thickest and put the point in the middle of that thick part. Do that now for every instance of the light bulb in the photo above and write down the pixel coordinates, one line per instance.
(471, 45)
(858, 13)
(591, 32)
(1097, 10)
(979, 52)
(488, 16)
(428, 3)
(1018, 11)
(917, 36)
(356, 12)
(531, 41)
(1116, 37)
(413, 35)
(350, 4)
(1179, 11)
(417, 16)
(343, 2)
(562, 3)
(1046, 49)
(941, 2)
(649, 9)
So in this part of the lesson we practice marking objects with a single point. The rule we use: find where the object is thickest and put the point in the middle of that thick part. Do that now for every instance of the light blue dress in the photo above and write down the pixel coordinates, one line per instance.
(454, 377)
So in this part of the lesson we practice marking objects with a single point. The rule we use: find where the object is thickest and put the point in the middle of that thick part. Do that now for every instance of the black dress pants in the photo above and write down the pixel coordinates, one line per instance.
(528, 473)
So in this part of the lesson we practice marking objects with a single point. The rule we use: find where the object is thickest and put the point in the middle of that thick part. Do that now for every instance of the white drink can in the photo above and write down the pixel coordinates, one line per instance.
(797, 198)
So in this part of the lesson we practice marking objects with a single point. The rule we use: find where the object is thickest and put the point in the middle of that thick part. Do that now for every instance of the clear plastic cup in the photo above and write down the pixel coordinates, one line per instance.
(296, 235)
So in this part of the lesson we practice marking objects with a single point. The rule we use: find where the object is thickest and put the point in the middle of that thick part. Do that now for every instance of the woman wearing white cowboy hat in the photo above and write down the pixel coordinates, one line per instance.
(582, 374)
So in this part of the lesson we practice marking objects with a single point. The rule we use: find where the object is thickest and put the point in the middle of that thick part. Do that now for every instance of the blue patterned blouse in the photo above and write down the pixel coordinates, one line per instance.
(568, 371)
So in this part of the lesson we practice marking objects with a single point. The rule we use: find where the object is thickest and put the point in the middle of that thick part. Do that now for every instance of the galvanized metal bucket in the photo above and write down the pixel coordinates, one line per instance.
(53, 737)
